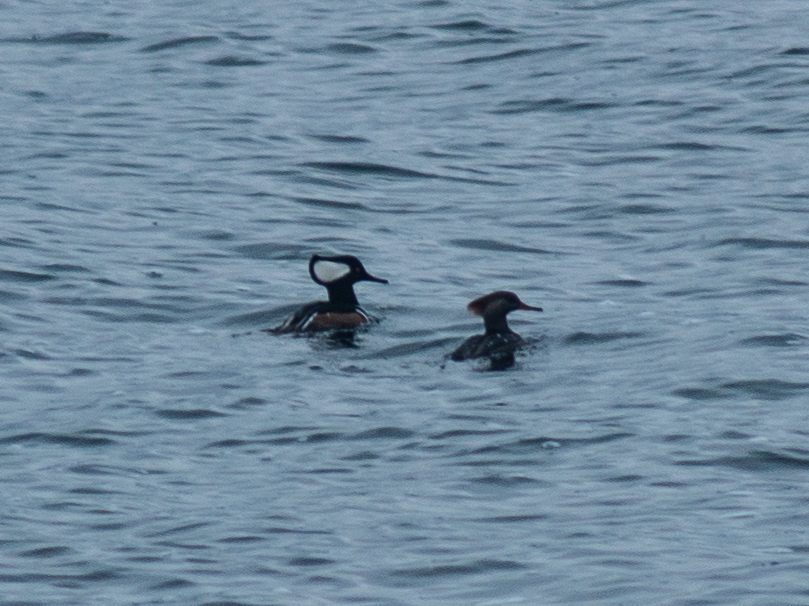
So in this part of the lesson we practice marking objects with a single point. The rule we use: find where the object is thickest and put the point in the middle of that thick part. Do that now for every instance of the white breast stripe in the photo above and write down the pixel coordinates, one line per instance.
(329, 271)
(308, 321)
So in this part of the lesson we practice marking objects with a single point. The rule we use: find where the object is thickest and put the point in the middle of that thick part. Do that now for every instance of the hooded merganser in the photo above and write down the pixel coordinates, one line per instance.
(499, 342)
(342, 311)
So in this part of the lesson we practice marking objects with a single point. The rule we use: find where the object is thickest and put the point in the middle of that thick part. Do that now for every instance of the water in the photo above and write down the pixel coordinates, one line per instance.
(638, 169)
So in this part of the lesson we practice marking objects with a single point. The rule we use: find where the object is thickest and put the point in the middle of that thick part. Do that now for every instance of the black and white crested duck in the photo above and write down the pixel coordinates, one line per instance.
(337, 274)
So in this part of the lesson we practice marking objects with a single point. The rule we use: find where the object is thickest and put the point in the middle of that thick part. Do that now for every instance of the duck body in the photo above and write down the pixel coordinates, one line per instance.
(487, 345)
(342, 311)
(498, 343)
(321, 315)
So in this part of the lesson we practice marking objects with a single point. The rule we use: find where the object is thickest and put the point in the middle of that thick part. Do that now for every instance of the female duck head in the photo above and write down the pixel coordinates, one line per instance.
(495, 306)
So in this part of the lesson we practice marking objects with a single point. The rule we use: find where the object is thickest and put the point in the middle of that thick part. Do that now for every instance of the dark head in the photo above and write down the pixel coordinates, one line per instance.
(495, 306)
(339, 274)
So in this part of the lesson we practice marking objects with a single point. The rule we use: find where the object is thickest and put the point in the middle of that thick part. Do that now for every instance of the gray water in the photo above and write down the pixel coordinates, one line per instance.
(639, 169)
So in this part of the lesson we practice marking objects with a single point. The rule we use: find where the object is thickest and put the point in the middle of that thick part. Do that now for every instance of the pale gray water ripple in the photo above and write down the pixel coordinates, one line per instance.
(391, 172)
(71, 38)
(585, 338)
(764, 243)
(519, 53)
(24, 277)
(234, 61)
(412, 348)
(276, 251)
(555, 104)
(758, 461)
(495, 246)
(81, 441)
(775, 340)
(178, 42)
(264, 318)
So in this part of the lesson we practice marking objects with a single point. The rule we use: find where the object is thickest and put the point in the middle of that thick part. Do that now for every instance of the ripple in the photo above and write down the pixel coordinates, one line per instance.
(230, 443)
(589, 338)
(178, 529)
(392, 172)
(30, 354)
(72, 440)
(277, 251)
(322, 436)
(760, 460)
(260, 318)
(453, 570)
(171, 585)
(408, 349)
(178, 42)
(286, 530)
(65, 268)
(494, 245)
(777, 340)
(303, 561)
(467, 432)
(763, 243)
(188, 415)
(384, 433)
(46, 552)
(519, 53)
(553, 104)
(7, 297)
(64, 580)
(763, 389)
(505, 481)
(627, 283)
(692, 146)
(468, 25)
(248, 402)
(644, 209)
(700, 393)
(17, 243)
(322, 203)
(767, 389)
(368, 168)
(341, 139)
(541, 444)
(218, 236)
(512, 519)
(72, 38)
(350, 48)
(241, 539)
(234, 61)
(7, 275)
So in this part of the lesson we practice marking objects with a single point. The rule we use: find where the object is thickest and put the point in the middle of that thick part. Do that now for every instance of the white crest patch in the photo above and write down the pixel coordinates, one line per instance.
(329, 271)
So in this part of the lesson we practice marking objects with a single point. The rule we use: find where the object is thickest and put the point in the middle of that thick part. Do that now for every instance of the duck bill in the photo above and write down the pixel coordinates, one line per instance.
(525, 307)
(369, 278)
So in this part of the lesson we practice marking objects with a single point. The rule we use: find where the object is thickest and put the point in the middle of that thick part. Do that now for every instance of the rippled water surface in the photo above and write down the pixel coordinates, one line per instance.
(638, 169)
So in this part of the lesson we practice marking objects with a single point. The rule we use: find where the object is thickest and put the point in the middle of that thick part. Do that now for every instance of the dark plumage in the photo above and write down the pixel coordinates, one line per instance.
(337, 274)
(499, 342)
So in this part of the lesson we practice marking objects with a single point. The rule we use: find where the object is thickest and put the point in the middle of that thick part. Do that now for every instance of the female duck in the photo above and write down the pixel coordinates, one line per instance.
(342, 311)
(499, 342)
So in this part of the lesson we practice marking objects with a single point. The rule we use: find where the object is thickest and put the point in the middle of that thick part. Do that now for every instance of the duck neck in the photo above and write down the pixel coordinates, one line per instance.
(496, 324)
(341, 294)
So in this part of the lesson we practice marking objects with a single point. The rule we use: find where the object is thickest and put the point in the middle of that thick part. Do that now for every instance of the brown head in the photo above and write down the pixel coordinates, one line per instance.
(495, 306)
